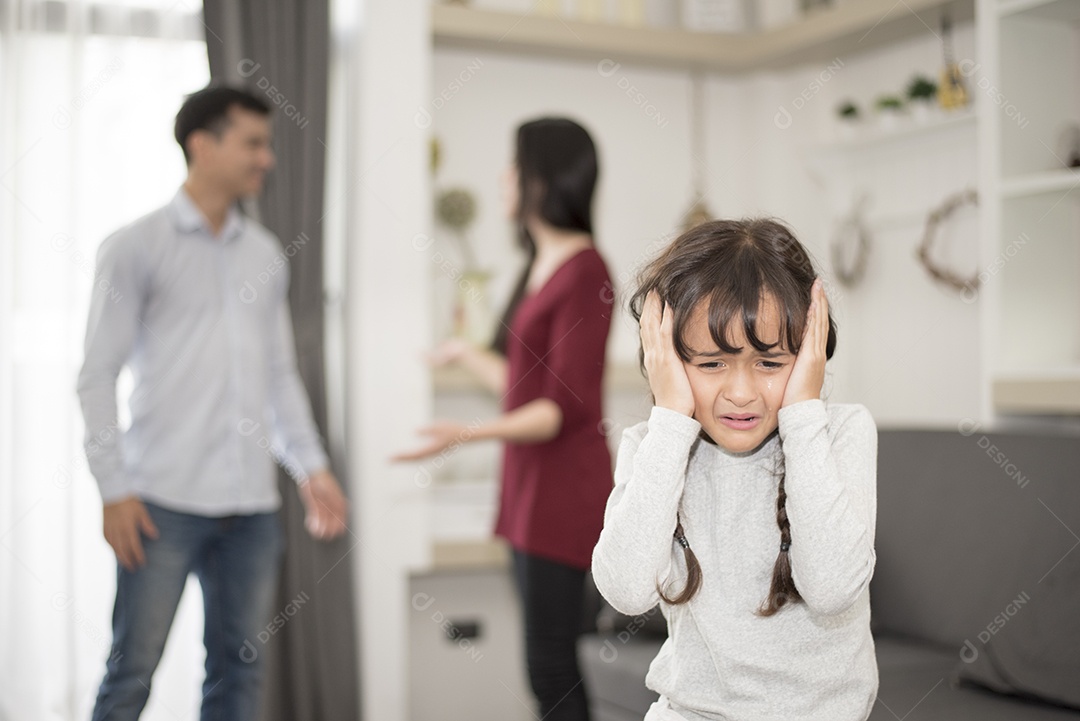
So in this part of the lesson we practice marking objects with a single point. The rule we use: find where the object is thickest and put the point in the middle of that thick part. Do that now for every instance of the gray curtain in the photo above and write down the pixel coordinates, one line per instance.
(279, 49)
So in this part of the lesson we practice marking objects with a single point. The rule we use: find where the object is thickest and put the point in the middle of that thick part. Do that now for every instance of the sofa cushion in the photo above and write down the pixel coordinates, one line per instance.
(1030, 648)
(651, 623)
(916, 685)
(614, 671)
(967, 521)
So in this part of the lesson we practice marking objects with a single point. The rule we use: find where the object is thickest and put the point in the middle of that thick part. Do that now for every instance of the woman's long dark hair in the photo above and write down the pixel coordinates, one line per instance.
(557, 171)
(732, 266)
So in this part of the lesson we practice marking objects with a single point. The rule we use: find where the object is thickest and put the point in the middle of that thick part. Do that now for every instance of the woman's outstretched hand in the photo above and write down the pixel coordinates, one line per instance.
(441, 435)
(808, 373)
(447, 352)
(667, 376)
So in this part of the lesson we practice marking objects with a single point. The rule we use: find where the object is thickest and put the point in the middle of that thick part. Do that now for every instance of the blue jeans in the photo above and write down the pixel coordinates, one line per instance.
(236, 559)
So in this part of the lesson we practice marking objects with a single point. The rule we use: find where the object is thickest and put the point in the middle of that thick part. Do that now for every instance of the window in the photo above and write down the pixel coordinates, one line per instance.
(88, 92)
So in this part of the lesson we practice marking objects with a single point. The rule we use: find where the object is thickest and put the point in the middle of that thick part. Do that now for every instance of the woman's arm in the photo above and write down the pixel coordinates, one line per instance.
(486, 365)
(636, 547)
(534, 422)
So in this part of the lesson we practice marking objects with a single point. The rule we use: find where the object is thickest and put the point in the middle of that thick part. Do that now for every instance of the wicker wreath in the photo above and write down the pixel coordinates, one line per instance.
(939, 214)
(850, 248)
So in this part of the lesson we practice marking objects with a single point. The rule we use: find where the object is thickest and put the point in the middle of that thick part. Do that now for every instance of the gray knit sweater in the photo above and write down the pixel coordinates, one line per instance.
(811, 661)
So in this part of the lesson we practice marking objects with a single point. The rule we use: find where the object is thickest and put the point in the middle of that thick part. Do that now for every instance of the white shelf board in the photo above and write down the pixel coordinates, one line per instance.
(1048, 181)
(1040, 390)
(453, 555)
(1056, 10)
(618, 377)
(820, 36)
(910, 128)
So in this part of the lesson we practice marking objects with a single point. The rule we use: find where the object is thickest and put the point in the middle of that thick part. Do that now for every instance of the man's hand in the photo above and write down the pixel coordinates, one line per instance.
(124, 522)
(327, 508)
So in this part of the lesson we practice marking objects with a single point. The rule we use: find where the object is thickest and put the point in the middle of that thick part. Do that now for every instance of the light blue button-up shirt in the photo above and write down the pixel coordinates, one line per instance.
(203, 323)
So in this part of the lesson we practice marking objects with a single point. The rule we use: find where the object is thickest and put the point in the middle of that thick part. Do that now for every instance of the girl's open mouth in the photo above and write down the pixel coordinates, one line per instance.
(740, 421)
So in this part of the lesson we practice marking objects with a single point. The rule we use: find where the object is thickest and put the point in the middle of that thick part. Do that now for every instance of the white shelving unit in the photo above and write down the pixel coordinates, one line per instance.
(1063, 180)
(1028, 93)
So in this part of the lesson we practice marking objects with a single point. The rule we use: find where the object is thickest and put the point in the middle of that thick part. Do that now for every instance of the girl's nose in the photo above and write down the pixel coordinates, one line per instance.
(739, 389)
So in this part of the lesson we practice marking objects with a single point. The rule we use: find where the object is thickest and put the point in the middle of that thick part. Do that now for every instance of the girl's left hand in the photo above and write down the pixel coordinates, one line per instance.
(442, 435)
(808, 374)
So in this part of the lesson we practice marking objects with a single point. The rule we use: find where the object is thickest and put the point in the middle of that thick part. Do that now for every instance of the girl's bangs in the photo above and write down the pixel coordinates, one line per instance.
(743, 303)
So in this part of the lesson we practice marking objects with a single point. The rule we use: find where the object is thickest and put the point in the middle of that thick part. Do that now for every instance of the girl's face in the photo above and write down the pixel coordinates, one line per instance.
(737, 395)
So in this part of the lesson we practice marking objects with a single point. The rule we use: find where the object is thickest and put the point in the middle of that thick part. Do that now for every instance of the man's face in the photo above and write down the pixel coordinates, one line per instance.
(237, 159)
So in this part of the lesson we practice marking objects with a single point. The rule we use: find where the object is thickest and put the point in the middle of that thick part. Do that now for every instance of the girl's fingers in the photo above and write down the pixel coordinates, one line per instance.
(665, 322)
(822, 315)
(817, 318)
(651, 312)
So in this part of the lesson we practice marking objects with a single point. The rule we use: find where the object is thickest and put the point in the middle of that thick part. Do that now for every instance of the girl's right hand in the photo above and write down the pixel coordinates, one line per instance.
(667, 375)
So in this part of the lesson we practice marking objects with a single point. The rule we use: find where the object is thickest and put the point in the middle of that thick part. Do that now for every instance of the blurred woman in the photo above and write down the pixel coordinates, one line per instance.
(547, 365)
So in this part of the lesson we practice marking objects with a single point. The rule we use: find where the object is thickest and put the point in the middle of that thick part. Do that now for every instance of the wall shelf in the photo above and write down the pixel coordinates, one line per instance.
(466, 555)
(1058, 10)
(1050, 181)
(868, 136)
(1051, 391)
(820, 36)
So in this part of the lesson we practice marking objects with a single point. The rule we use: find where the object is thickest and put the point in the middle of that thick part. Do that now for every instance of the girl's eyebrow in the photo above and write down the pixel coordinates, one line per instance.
(773, 353)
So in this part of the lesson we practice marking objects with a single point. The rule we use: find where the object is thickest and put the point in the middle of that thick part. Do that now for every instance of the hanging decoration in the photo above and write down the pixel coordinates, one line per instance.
(951, 91)
(937, 216)
(850, 247)
(698, 212)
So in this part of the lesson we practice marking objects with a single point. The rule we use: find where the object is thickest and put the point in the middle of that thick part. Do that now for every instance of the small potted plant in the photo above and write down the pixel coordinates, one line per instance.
(889, 108)
(848, 113)
(921, 95)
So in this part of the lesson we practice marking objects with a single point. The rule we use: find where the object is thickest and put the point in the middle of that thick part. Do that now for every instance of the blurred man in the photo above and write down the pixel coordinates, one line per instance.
(193, 299)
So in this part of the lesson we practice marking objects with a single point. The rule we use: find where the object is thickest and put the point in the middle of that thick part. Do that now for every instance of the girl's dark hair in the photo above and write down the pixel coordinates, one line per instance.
(557, 171)
(732, 266)
(208, 109)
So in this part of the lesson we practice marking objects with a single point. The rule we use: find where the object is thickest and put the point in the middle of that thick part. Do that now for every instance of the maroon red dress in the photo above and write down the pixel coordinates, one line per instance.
(553, 493)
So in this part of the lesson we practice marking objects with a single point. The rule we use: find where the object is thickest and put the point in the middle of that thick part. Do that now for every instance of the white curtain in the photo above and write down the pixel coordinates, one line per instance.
(88, 92)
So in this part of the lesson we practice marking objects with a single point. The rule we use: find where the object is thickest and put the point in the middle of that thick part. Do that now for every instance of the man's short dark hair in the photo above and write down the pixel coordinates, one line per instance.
(208, 109)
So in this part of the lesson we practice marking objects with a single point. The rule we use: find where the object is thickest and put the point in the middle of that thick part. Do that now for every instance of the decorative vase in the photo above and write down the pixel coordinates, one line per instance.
(473, 320)
(888, 119)
(922, 111)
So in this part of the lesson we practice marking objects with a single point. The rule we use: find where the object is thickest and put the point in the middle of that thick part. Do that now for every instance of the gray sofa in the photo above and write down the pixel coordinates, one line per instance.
(977, 585)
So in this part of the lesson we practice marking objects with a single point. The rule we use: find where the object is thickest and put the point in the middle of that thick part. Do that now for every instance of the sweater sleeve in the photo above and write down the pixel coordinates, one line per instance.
(634, 552)
(830, 480)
